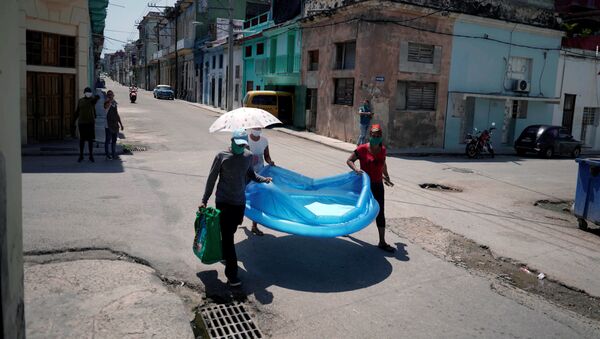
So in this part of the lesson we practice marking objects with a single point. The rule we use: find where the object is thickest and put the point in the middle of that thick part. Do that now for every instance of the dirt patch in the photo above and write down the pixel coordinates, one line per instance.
(130, 148)
(478, 258)
(560, 206)
(439, 187)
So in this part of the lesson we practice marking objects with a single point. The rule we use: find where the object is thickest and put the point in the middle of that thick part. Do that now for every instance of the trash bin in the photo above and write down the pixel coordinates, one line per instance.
(587, 196)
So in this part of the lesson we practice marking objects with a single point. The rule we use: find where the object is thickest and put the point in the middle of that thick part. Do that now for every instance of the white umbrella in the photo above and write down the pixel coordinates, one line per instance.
(244, 117)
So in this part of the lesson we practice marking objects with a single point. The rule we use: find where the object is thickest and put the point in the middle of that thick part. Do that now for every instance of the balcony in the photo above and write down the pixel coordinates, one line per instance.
(257, 24)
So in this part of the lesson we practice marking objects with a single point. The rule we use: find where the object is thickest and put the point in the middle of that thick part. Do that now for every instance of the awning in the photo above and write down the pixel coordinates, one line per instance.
(548, 100)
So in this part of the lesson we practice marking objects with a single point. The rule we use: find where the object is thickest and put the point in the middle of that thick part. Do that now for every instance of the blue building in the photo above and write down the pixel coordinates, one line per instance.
(502, 73)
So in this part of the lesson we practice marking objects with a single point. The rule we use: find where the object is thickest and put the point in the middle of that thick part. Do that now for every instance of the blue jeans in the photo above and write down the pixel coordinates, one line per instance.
(364, 130)
(111, 138)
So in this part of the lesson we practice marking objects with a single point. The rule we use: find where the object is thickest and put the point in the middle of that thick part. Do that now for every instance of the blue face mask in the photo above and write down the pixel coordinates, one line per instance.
(375, 141)
(237, 149)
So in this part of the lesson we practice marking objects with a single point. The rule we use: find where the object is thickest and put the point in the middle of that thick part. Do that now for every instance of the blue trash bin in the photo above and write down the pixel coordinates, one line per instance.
(587, 196)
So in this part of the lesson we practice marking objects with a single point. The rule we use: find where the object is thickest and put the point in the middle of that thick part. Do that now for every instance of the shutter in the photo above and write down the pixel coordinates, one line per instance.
(420, 53)
(421, 96)
(429, 94)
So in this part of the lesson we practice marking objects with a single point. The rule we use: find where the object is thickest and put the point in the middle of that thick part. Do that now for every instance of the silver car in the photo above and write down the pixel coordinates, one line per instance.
(164, 92)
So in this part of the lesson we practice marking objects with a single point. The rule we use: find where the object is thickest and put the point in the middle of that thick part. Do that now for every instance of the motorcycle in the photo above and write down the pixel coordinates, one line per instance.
(132, 95)
(479, 142)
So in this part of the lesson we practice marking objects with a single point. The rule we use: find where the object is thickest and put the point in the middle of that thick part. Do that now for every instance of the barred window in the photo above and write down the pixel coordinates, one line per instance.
(344, 91)
(420, 53)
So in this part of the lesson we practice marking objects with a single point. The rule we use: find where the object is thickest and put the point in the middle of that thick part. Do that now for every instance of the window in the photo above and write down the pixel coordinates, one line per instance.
(344, 91)
(260, 48)
(248, 52)
(48, 49)
(589, 120)
(258, 87)
(417, 96)
(236, 95)
(519, 68)
(519, 109)
(221, 61)
(590, 115)
(249, 86)
(420, 53)
(237, 71)
(345, 55)
(267, 100)
(214, 61)
(207, 65)
(313, 60)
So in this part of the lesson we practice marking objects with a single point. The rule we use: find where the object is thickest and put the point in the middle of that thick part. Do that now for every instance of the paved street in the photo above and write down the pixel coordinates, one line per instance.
(144, 205)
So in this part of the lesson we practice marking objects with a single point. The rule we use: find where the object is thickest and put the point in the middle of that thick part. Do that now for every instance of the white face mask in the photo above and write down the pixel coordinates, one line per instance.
(255, 132)
(87, 94)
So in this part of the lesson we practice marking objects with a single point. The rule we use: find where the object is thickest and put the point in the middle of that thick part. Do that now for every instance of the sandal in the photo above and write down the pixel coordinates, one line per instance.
(258, 232)
(387, 248)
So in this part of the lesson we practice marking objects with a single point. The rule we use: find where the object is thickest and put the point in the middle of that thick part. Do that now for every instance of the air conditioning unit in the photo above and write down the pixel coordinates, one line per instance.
(522, 86)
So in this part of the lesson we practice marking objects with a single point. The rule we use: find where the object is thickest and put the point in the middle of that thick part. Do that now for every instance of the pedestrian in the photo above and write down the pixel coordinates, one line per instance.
(85, 121)
(231, 167)
(372, 161)
(259, 146)
(366, 116)
(111, 129)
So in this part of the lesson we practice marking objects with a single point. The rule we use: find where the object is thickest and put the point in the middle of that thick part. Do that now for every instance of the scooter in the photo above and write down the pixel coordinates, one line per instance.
(132, 95)
(480, 142)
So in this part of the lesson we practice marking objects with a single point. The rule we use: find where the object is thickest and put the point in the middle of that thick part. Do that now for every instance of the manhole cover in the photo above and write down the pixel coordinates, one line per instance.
(439, 187)
(229, 321)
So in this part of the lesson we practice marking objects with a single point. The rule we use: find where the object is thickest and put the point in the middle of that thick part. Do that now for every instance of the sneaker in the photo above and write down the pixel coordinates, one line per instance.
(235, 282)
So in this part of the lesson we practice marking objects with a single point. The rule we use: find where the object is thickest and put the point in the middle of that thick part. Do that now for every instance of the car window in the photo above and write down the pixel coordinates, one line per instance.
(564, 134)
(531, 131)
(270, 100)
(553, 132)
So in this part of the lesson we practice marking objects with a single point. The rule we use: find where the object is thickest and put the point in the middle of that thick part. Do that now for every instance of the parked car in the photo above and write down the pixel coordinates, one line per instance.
(547, 141)
(164, 92)
(280, 104)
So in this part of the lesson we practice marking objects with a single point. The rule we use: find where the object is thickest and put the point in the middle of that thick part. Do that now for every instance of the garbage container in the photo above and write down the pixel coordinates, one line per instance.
(587, 196)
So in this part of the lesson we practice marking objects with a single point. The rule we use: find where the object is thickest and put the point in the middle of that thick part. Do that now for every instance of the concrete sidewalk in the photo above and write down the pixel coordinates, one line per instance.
(101, 299)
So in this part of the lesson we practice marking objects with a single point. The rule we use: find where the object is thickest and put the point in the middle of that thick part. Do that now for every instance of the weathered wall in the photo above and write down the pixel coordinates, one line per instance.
(11, 243)
(534, 12)
(377, 55)
(61, 17)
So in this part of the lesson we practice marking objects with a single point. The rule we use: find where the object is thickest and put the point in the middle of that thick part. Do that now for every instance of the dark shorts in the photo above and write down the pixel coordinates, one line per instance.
(87, 132)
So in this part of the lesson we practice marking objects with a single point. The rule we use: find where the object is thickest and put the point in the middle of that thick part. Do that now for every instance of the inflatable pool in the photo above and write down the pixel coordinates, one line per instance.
(325, 207)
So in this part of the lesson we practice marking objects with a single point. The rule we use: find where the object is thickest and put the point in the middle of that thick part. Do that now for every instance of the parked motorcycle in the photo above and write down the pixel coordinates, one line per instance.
(479, 142)
(132, 95)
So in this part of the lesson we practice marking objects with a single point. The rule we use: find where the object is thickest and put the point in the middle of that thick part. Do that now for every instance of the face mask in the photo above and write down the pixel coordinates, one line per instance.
(87, 94)
(255, 132)
(375, 141)
(237, 149)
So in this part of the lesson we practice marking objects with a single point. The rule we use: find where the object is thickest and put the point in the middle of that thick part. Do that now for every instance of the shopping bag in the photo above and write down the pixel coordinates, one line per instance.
(207, 239)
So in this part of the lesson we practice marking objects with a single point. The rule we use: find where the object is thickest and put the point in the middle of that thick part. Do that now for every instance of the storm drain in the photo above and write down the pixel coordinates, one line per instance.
(229, 321)
(439, 187)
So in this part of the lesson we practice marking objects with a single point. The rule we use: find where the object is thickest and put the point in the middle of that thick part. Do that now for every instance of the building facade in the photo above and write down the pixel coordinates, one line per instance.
(61, 42)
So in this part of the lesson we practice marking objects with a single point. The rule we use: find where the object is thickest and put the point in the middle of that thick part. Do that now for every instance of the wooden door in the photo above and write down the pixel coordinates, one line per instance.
(69, 99)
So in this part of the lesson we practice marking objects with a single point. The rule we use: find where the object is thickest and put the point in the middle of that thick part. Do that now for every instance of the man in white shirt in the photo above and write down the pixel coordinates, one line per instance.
(259, 146)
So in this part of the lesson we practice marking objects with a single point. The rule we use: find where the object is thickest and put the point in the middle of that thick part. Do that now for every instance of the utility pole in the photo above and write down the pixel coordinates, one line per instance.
(230, 61)
(176, 55)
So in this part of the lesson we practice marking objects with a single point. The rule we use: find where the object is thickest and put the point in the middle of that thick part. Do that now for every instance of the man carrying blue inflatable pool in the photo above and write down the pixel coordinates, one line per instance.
(232, 167)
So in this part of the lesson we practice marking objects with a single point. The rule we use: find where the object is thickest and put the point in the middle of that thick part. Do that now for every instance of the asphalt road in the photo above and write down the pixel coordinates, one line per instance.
(145, 205)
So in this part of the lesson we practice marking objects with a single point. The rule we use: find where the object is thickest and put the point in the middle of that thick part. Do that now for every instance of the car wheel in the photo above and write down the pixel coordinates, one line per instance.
(548, 153)
(576, 152)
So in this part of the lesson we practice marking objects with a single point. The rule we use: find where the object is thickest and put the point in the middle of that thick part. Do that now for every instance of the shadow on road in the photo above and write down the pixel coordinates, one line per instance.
(69, 164)
(321, 265)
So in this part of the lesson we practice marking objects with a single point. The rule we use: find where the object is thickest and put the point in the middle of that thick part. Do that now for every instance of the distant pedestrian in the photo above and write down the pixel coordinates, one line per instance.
(366, 116)
(231, 167)
(111, 129)
(372, 161)
(259, 146)
(85, 121)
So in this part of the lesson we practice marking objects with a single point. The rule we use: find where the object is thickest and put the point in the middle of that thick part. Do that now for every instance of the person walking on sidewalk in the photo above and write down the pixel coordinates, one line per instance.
(259, 146)
(111, 129)
(85, 121)
(231, 167)
(366, 116)
(372, 161)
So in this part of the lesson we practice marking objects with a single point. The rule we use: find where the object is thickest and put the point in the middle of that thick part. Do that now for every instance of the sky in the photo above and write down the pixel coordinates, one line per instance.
(121, 21)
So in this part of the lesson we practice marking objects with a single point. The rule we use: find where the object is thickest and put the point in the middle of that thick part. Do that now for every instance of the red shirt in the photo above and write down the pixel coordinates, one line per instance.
(370, 163)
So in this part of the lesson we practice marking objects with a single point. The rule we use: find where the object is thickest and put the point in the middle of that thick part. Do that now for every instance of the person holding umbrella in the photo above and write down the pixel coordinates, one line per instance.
(231, 167)
(372, 161)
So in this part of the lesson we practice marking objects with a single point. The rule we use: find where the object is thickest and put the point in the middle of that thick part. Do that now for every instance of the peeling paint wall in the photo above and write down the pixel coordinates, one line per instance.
(534, 12)
(377, 73)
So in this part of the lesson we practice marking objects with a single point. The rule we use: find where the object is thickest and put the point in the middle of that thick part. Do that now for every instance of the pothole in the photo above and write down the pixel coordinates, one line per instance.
(561, 206)
(231, 320)
(439, 187)
(478, 258)
(129, 148)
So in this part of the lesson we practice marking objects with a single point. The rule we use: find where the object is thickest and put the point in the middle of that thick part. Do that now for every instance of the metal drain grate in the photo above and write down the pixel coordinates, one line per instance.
(229, 321)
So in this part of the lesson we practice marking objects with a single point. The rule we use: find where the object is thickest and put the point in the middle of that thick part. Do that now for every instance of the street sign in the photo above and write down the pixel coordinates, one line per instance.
(379, 78)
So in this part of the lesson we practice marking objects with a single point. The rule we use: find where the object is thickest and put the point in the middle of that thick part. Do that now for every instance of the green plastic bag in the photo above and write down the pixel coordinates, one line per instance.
(207, 239)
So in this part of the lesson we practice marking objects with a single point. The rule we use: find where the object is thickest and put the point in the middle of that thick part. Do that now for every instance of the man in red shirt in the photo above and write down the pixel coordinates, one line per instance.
(372, 161)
